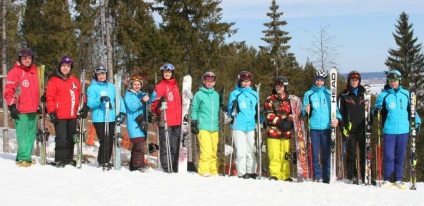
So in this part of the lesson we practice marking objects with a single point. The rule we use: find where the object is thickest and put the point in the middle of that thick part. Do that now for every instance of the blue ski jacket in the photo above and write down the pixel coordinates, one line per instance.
(319, 98)
(98, 109)
(395, 105)
(247, 100)
(205, 109)
(135, 108)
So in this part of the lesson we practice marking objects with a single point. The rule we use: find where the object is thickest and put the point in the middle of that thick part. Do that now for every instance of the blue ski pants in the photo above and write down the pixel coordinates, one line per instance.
(394, 155)
(321, 139)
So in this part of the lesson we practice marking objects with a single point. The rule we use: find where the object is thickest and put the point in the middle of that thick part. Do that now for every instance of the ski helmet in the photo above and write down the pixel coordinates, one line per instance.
(321, 74)
(282, 81)
(136, 78)
(100, 70)
(26, 52)
(66, 60)
(394, 75)
(353, 75)
(209, 76)
(245, 75)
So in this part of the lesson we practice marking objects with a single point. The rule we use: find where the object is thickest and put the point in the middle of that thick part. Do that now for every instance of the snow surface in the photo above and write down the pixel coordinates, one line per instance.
(47, 185)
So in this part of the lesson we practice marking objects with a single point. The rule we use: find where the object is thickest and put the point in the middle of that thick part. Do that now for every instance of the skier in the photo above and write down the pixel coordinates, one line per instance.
(317, 105)
(204, 122)
(279, 119)
(135, 103)
(22, 96)
(242, 105)
(100, 94)
(63, 98)
(352, 108)
(394, 103)
(168, 99)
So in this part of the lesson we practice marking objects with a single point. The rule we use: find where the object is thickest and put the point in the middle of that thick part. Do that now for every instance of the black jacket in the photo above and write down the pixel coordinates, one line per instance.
(352, 108)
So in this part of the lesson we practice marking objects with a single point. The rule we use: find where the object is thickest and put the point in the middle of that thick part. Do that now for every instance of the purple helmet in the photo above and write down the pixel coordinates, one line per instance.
(66, 60)
(26, 52)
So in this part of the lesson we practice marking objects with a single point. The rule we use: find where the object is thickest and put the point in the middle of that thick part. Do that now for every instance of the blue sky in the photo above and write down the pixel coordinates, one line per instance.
(362, 28)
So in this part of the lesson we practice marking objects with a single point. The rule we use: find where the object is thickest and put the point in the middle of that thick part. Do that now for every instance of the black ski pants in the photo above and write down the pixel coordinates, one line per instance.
(355, 139)
(64, 140)
(174, 133)
(106, 141)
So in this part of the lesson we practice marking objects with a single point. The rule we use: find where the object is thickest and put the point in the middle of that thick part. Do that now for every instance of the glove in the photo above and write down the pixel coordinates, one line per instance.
(83, 113)
(120, 118)
(43, 98)
(163, 104)
(194, 128)
(345, 134)
(39, 110)
(53, 118)
(104, 99)
(14, 113)
(285, 124)
(141, 122)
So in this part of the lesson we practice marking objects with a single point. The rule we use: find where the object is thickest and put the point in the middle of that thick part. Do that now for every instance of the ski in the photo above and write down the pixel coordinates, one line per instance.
(42, 134)
(259, 133)
(221, 146)
(185, 126)
(300, 138)
(79, 137)
(413, 134)
(368, 130)
(118, 136)
(333, 86)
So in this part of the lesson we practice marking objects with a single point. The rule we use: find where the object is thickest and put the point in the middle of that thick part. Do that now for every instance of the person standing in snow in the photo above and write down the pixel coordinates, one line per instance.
(394, 103)
(204, 123)
(135, 103)
(317, 105)
(242, 107)
(101, 100)
(22, 96)
(168, 100)
(63, 98)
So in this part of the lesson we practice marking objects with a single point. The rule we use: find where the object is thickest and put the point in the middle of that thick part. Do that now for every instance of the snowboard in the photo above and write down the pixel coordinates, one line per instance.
(42, 133)
(333, 105)
(413, 134)
(79, 137)
(368, 130)
(118, 136)
(300, 139)
(185, 126)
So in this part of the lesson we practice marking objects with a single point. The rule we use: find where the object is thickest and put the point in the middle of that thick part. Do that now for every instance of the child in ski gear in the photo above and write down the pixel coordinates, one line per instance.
(394, 103)
(63, 98)
(22, 96)
(101, 101)
(279, 119)
(168, 100)
(135, 103)
(352, 108)
(242, 108)
(317, 105)
(204, 123)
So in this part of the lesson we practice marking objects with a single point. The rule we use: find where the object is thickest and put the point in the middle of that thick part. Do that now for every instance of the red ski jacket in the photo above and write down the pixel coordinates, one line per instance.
(63, 96)
(22, 88)
(169, 89)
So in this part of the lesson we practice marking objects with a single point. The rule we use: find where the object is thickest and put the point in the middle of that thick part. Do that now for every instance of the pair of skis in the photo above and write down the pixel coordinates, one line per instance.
(42, 133)
(80, 134)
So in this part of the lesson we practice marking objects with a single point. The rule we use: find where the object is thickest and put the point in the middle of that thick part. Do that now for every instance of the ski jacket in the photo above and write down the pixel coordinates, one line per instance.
(98, 109)
(168, 88)
(22, 88)
(63, 96)
(319, 98)
(134, 108)
(247, 100)
(352, 108)
(395, 107)
(277, 108)
(205, 109)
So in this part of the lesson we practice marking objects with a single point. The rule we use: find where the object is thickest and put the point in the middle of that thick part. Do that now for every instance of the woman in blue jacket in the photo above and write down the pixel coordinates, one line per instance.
(317, 105)
(394, 103)
(137, 126)
(242, 106)
(101, 101)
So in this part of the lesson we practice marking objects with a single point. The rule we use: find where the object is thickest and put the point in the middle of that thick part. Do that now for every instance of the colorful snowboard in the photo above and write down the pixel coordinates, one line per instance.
(300, 138)
(185, 126)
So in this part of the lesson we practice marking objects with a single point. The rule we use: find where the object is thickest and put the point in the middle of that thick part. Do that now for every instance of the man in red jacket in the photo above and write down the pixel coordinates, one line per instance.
(168, 99)
(22, 95)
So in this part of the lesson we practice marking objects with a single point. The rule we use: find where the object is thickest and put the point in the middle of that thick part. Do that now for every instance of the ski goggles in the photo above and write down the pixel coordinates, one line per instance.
(167, 67)
(393, 76)
(245, 76)
(281, 83)
(391, 80)
(136, 78)
(355, 76)
(100, 69)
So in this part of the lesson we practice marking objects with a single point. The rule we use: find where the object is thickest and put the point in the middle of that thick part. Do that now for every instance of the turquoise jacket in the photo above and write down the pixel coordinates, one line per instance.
(135, 108)
(205, 109)
(247, 100)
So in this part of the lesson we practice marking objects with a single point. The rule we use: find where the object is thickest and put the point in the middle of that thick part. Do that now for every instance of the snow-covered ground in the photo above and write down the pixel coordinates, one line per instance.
(47, 185)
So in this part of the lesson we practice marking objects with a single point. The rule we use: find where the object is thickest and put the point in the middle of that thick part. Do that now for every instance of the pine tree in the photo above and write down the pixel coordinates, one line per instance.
(277, 40)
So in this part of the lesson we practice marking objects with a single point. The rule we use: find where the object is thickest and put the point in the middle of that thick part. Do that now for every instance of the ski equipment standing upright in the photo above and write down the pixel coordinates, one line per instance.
(258, 128)
(368, 130)
(300, 138)
(80, 131)
(185, 126)
(42, 134)
(333, 85)
(221, 146)
(413, 156)
(118, 136)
